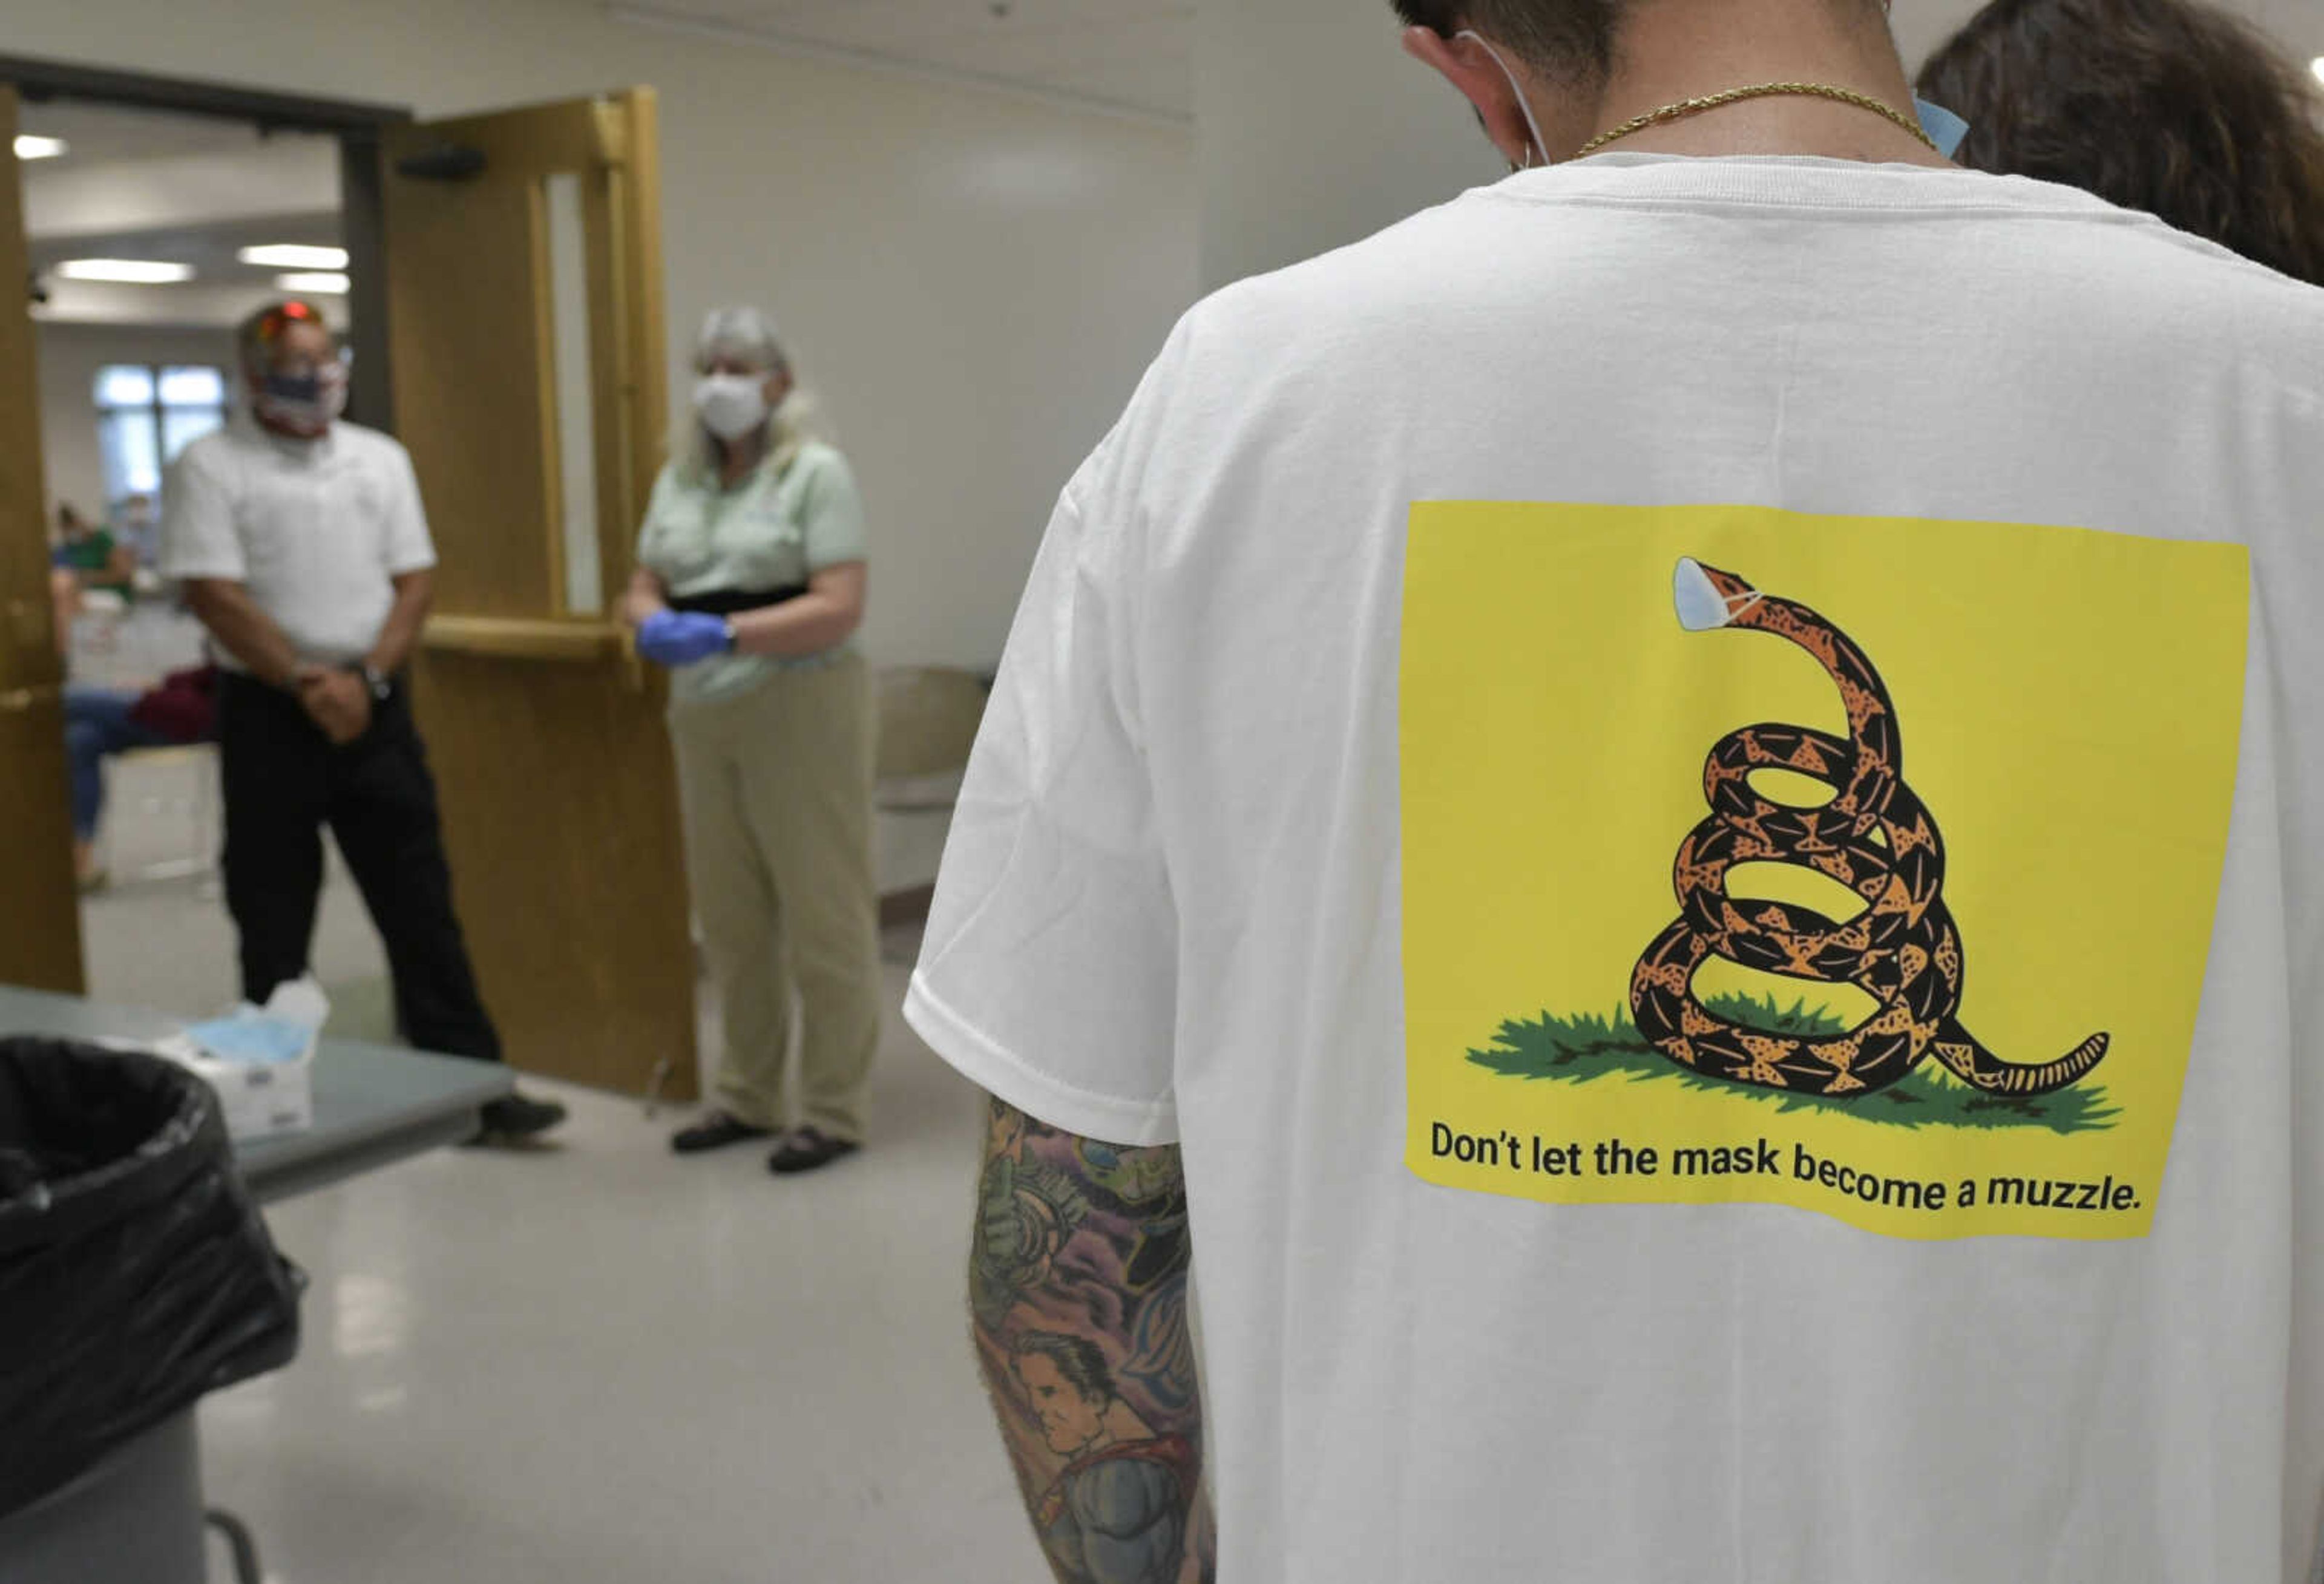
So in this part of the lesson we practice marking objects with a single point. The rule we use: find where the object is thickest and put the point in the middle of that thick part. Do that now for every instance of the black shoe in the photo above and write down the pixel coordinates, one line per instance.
(716, 1131)
(515, 1118)
(803, 1149)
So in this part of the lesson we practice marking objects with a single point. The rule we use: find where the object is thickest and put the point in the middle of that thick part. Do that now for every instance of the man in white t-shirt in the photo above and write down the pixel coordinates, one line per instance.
(302, 547)
(1669, 819)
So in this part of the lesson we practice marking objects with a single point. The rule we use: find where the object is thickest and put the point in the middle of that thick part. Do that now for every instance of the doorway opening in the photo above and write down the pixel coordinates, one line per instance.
(534, 231)
(157, 215)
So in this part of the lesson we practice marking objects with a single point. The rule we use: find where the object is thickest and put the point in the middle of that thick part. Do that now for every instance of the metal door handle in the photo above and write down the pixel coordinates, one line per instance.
(21, 701)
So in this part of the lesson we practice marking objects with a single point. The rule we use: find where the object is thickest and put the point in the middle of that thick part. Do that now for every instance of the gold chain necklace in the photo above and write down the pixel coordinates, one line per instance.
(1810, 91)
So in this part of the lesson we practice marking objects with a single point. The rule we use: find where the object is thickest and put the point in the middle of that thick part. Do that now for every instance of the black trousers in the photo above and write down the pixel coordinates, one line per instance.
(284, 781)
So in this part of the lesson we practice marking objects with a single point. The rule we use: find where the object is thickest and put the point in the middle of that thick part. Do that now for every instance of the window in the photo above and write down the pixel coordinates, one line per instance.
(146, 415)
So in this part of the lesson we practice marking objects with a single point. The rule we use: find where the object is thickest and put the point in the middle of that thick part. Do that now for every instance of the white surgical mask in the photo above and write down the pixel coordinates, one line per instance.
(1515, 87)
(308, 403)
(730, 405)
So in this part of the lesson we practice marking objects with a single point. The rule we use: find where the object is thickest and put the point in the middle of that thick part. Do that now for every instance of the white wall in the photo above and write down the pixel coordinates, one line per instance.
(975, 282)
(1315, 130)
(70, 355)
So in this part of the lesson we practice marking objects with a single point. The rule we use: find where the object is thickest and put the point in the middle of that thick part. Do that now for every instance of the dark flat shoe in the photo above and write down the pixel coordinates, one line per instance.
(716, 1131)
(803, 1149)
(516, 1118)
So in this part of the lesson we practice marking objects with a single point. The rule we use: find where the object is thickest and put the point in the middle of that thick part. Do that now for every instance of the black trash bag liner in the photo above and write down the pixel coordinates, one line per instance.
(136, 1275)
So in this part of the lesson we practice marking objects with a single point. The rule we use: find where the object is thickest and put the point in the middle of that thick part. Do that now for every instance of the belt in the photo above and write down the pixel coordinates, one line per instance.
(734, 602)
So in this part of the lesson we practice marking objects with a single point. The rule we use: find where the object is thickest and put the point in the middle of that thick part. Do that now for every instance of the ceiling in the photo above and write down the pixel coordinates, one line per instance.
(1131, 55)
(99, 134)
(1138, 55)
(190, 189)
(210, 249)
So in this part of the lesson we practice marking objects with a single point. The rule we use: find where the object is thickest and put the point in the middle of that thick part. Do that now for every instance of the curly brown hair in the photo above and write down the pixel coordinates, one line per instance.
(2170, 107)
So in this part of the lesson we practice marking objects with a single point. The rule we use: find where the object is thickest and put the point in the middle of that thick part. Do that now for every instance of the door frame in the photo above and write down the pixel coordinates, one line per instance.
(359, 128)
(357, 124)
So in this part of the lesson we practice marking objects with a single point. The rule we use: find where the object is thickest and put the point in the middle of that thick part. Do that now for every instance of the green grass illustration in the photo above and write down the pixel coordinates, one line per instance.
(1587, 1048)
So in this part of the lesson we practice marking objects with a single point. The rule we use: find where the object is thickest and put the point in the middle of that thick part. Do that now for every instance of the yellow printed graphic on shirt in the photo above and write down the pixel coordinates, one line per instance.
(1864, 866)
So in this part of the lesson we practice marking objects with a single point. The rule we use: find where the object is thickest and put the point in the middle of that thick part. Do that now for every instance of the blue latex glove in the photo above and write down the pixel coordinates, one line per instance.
(682, 637)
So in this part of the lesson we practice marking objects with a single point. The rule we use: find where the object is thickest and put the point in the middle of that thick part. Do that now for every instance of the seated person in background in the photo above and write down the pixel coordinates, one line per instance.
(137, 528)
(2179, 109)
(64, 603)
(88, 550)
(102, 720)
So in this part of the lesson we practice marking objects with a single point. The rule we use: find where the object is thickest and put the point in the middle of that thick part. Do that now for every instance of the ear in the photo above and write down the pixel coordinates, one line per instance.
(1471, 67)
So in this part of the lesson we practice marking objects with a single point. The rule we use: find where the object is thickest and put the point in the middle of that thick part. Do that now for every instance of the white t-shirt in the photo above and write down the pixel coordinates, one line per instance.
(1328, 814)
(318, 530)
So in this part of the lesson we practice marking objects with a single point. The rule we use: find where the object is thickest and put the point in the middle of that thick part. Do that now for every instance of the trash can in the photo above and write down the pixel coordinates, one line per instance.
(135, 1516)
(136, 1276)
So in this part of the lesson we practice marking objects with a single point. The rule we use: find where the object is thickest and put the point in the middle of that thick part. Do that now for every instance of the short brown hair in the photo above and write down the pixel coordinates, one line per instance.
(2169, 107)
(1569, 38)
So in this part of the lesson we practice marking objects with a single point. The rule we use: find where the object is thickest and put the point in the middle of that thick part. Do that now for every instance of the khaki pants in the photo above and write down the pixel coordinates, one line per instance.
(777, 784)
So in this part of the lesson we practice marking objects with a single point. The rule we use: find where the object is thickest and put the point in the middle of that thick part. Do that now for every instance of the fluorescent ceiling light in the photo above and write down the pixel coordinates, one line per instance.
(2317, 64)
(292, 256)
(128, 272)
(29, 147)
(322, 282)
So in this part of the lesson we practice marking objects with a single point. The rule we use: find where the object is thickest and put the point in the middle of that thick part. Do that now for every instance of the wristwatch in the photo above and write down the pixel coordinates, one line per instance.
(381, 685)
(733, 638)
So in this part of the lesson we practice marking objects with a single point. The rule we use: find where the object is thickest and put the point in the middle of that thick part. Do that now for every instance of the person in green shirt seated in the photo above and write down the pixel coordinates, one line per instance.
(88, 551)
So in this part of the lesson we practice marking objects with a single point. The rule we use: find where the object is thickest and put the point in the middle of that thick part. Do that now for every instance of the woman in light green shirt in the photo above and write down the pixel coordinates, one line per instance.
(749, 586)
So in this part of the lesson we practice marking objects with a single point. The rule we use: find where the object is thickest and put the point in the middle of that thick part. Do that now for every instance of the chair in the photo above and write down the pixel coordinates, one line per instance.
(928, 720)
(199, 799)
(99, 618)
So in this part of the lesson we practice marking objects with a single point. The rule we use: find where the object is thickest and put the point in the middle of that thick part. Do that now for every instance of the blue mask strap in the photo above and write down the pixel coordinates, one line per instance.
(1945, 129)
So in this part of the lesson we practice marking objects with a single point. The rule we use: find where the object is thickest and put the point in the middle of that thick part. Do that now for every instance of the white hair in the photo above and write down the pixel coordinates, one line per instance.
(743, 335)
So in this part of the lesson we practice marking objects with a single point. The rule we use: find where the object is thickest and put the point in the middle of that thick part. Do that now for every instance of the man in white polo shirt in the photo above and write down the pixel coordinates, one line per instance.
(302, 547)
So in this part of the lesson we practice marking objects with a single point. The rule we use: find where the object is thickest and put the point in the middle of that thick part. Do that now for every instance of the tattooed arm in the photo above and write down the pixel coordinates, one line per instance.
(1078, 1284)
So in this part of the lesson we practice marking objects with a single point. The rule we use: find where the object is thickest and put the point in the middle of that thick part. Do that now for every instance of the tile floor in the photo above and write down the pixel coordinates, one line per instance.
(598, 1363)
(601, 1363)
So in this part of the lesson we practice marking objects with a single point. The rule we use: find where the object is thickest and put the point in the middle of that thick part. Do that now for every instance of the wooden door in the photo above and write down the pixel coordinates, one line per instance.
(525, 343)
(40, 911)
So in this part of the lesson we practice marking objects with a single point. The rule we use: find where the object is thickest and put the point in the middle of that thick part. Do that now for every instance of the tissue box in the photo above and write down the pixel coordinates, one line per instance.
(260, 1060)
(259, 1101)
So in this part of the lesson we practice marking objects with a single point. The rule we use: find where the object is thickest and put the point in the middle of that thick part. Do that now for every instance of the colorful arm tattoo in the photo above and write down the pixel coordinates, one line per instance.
(1077, 1286)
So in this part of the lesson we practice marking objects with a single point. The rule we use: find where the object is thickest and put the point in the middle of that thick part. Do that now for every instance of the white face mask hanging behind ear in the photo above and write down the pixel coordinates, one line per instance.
(1515, 87)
